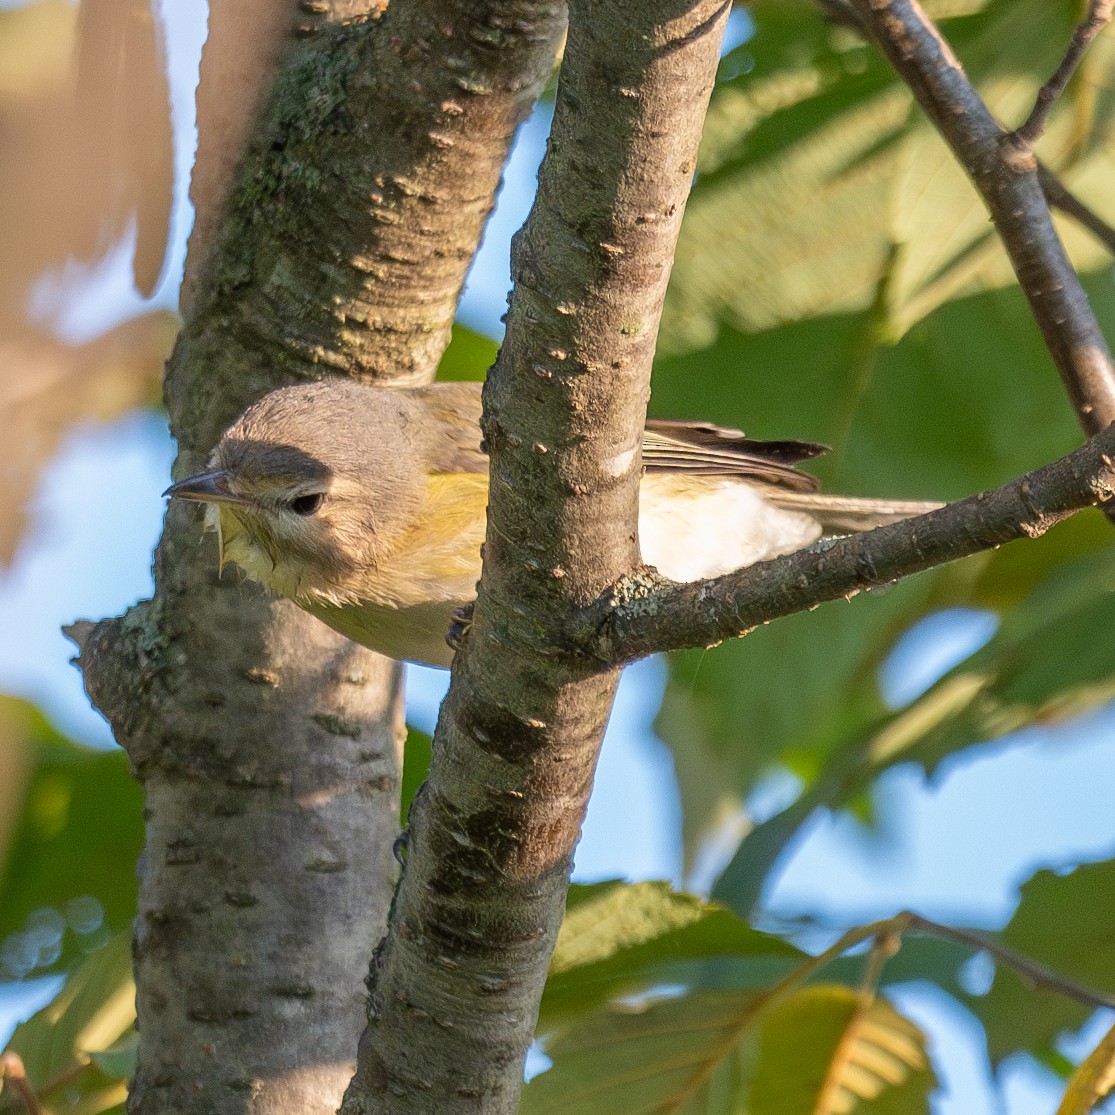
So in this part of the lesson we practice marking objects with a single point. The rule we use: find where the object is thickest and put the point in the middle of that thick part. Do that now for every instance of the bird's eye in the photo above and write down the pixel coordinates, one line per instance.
(307, 504)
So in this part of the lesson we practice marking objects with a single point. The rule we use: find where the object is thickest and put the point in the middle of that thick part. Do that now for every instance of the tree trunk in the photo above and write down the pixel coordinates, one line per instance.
(267, 745)
(456, 986)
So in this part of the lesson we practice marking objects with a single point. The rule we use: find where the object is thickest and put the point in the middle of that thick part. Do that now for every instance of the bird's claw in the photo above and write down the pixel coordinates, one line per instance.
(460, 622)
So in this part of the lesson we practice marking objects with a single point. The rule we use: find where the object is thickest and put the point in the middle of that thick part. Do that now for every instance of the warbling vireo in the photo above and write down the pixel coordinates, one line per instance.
(366, 505)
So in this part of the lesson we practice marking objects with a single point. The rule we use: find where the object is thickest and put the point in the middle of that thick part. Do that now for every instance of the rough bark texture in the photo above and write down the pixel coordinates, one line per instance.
(455, 988)
(268, 746)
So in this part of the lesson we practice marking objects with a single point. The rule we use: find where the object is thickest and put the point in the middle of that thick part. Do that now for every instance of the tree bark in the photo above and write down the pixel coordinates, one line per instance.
(456, 985)
(267, 745)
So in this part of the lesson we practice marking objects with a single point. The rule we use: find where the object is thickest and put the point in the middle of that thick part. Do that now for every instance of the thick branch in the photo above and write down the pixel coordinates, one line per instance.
(457, 987)
(1007, 180)
(643, 615)
(267, 744)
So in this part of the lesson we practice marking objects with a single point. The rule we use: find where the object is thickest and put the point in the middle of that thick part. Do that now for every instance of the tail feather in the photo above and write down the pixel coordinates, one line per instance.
(845, 514)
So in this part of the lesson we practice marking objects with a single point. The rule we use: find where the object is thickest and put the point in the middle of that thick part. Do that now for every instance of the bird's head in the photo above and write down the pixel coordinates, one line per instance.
(308, 488)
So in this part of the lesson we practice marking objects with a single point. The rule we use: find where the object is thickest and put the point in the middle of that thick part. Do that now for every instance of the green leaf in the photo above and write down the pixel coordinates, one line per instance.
(118, 1062)
(650, 1058)
(1051, 658)
(67, 876)
(910, 419)
(821, 1051)
(79, 1041)
(469, 355)
(619, 939)
(416, 765)
(822, 189)
(1063, 922)
(825, 1052)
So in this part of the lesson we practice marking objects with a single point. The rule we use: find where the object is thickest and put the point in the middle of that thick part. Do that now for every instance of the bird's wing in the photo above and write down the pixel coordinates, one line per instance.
(698, 448)
(704, 449)
(455, 408)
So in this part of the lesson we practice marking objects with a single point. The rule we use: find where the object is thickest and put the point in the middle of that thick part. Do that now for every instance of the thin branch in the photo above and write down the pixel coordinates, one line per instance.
(1036, 975)
(842, 14)
(884, 932)
(645, 614)
(1060, 197)
(1099, 15)
(1008, 182)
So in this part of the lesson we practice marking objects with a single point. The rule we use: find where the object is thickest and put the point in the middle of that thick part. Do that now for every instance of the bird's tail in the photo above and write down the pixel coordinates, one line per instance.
(844, 514)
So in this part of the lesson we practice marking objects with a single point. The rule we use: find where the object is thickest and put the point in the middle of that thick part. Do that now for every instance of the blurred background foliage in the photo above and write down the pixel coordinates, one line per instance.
(837, 280)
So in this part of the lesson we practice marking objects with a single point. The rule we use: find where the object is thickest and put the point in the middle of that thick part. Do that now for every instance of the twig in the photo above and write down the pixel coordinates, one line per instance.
(1008, 182)
(1027, 134)
(841, 13)
(1036, 975)
(645, 614)
(887, 932)
(1060, 197)
(884, 946)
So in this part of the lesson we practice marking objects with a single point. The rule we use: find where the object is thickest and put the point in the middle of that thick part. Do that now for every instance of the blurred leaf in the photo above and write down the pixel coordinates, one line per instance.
(822, 189)
(790, 693)
(85, 128)
(1063, 922)
(50, 386)
(123, 143)
(67, 877)
(1093, 1081)
(36, 42)
(416, 765)
(825, 1052)
(91, 1015)
(118, 1061)
(1051, 658)
(650, 1058)
(469, 355)
(821, 1051)
(619, 939)
(803, 692)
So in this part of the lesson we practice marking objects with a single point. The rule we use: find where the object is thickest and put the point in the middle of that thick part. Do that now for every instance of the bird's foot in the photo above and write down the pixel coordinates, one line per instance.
(460, 622)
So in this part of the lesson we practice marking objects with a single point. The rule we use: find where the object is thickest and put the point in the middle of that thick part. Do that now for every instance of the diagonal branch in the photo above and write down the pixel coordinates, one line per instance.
(491, 838)
(1028, 133)
(1008, 182)
(644, 615)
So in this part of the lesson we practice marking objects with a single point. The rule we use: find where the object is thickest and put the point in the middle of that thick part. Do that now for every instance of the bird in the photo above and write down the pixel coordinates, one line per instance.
(366, 505)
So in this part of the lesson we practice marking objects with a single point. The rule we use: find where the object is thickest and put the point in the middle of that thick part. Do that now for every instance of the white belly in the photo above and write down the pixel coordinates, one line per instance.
(702, 526)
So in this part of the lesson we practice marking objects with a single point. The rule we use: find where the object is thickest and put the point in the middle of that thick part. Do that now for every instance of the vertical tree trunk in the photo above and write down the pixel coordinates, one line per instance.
(268, 745)
(456, 987)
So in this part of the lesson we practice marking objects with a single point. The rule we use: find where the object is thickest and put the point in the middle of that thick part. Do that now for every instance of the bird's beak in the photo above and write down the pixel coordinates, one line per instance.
(206, 487)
